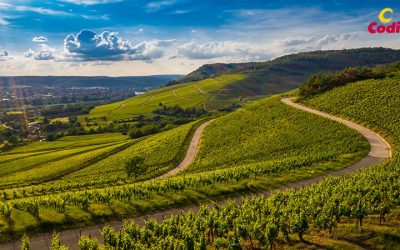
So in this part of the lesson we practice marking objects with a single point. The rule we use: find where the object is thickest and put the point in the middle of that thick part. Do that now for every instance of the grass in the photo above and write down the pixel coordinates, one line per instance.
(193, 94)
(50, 216)
(22, 220)
(77, 214)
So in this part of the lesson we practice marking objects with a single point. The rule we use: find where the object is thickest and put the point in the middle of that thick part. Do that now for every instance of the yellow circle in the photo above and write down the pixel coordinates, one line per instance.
(382, 17)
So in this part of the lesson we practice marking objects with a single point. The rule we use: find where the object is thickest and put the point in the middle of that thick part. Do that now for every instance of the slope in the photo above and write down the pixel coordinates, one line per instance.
(194, 94)
(288, 72)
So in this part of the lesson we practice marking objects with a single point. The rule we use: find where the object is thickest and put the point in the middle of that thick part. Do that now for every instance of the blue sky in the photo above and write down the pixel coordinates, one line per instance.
(121, 37)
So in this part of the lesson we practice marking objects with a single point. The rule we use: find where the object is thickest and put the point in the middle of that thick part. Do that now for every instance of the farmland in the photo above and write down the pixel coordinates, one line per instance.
(346, 212)
(88, 157)
(202, 94)
(270, 130)
(330, 149)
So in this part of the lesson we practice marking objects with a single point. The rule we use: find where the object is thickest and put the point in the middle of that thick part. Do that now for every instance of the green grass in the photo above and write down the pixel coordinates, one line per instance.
(50, 216)
(22, 220)
(77, 214)
(193, 94)
(270, 130)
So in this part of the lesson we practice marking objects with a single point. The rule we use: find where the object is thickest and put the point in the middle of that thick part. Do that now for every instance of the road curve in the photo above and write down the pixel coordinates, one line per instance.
(190, 153)
(380, 151)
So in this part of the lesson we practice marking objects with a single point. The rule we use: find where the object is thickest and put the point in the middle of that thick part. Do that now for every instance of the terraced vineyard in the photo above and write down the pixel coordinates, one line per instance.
(331, 148)
(91, 159)
(349, 212)
(200, 94)
(269, 130)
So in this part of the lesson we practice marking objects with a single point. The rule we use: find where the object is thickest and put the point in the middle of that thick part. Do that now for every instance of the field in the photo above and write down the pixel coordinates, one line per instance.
(88, 158)
(82, 190)
(200, 94)
(356, 211)
(270, 130)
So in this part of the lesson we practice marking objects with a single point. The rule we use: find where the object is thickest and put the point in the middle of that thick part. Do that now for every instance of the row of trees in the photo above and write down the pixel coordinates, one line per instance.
(325, 81)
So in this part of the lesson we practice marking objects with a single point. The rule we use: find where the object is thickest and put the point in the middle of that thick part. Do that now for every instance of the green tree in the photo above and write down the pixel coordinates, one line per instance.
(135, 166)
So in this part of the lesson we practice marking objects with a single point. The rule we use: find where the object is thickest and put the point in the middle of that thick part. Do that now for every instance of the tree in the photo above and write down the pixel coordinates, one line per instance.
(135, 166)
(13, 140)
(51, 137)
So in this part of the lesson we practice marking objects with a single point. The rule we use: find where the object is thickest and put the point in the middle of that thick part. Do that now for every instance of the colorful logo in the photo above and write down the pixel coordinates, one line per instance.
(387, 26)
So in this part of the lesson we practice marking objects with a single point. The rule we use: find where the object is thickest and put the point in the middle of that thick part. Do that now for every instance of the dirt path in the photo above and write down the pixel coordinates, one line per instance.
(380, 151)
(190, 154)
(199, 89)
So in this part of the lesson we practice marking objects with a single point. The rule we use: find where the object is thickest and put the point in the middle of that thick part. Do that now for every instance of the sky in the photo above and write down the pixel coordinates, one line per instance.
(135, 37)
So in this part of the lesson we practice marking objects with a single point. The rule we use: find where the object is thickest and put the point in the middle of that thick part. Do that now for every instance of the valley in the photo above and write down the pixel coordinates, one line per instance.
(273, 147)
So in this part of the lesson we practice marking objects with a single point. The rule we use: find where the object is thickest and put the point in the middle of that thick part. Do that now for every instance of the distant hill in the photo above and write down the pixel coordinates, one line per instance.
(89, 81)
(288, 72)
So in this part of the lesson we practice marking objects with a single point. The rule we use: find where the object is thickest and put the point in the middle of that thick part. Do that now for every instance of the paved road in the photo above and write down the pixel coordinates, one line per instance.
(380, 151)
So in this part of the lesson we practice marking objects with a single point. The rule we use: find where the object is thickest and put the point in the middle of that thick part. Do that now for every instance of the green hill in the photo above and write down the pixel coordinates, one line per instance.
(204, 94)
(356, 211)
(219, 85)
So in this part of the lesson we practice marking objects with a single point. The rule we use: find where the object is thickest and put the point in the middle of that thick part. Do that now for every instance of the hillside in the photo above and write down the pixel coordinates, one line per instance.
(221, 85)
(87, 81)
(203, 94)
(98, 188)
(288, 72)
(355, 211)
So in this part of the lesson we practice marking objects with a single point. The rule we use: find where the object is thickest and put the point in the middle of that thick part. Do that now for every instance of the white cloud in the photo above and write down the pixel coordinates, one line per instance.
(232, 49)
(29, 53)
(3, 21)
(44, 53)
(4, 55)
(108, 46)
(91, 2)
(39, 39)
(157, 5)
(40, 10)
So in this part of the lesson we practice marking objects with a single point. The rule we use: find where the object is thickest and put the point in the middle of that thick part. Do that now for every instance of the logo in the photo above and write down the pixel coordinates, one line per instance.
(386, 23)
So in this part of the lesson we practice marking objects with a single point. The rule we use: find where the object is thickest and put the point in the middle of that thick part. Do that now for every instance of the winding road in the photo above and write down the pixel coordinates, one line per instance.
(379, 152)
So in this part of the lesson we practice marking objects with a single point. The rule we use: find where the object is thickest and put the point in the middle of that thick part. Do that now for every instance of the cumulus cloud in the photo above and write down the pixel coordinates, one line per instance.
(297, 41)
(331, 39)
(150, 50)
(296, 44)
(29, 53)
(4, 55)
(108, 46)
(211, 50)
(39, 39)
(42, 54)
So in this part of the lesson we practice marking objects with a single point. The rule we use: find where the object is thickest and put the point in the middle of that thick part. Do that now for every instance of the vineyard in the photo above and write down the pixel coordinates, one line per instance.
(365, 199)
(188, 95)
(270, 130)
(82, 161)
(101, 190)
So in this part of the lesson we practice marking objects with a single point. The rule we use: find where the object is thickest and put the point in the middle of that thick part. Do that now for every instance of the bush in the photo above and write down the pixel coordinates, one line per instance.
(325, 81)
(135, 166)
